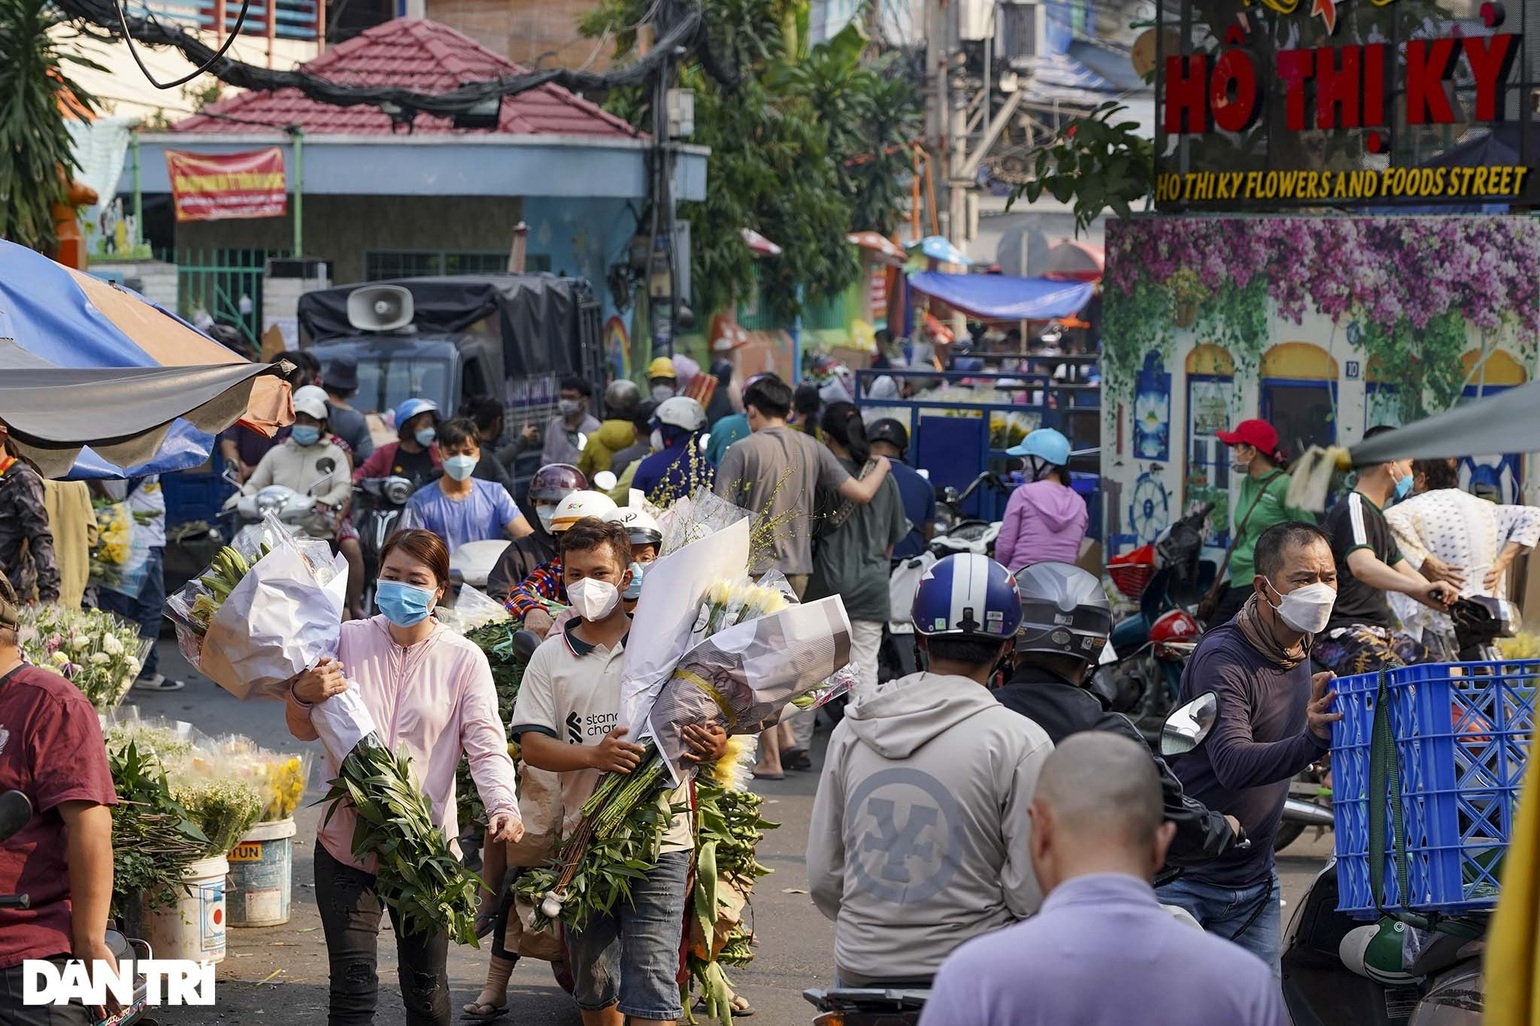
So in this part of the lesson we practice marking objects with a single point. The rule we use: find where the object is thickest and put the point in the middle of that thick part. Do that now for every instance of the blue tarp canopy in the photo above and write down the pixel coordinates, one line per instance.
(1000, 297)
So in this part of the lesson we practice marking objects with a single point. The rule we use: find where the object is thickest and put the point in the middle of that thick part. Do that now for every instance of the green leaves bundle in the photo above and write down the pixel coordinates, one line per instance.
(153, 837)
(417, 874)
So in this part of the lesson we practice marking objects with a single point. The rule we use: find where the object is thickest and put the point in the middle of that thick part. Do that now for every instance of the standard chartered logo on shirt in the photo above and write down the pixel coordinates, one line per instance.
(908, 824)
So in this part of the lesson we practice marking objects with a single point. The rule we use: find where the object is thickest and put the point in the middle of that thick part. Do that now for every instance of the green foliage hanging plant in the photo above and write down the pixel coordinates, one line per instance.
(1097, 163)
(37, 99)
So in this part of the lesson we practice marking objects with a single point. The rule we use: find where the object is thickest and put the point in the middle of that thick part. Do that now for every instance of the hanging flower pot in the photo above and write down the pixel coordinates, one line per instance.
(1186, 314)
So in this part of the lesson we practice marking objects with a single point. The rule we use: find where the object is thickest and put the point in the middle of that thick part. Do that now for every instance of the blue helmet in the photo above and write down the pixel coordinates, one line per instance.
(1046, 444)
(967, 595)
(412, 407)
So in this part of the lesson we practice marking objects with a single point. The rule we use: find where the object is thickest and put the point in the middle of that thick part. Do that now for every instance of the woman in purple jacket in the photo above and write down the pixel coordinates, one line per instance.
(1045, 519)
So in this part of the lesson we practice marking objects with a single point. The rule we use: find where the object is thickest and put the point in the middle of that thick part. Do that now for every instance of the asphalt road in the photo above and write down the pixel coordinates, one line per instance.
(279, 974)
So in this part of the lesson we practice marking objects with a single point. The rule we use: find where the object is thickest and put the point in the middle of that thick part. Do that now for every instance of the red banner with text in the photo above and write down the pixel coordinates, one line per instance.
(227, 186)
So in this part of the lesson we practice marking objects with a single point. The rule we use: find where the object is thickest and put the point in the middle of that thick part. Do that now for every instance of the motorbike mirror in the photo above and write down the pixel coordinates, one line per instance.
(1187, 727)
(604, 480)
(15, 812)
(232, 475)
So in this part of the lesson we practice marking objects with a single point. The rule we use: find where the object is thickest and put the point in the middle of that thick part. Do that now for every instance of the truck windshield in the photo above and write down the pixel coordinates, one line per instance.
(384, 382)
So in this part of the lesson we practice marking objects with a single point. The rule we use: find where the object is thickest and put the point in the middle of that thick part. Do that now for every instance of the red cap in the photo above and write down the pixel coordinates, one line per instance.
(1256, 433)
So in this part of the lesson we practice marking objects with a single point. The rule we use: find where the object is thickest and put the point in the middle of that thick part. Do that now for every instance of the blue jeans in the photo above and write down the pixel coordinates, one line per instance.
(144, 609)
(1250, 916)
(631, 956)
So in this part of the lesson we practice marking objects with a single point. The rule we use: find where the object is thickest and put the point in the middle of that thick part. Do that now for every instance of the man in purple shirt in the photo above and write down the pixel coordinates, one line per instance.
(1102, 951)
(1274, 720)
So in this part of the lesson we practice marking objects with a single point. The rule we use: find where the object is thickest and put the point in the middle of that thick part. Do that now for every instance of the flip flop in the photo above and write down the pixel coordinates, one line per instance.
(769, 776)
(475, 1012)
(740, 1004)
(797, 759)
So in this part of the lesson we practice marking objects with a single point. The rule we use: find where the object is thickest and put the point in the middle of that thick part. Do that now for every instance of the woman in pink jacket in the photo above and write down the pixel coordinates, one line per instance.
(1045, 518)
(430, 692)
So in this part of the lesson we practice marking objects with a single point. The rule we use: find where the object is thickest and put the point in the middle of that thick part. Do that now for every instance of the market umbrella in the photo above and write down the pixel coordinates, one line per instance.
(71, 320)
(878, 243)
(124, 413)
(939, 248)
(1506, 422)
(1076, 261)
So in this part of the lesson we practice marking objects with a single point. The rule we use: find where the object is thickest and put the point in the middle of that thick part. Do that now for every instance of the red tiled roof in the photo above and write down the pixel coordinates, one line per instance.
(415, 54)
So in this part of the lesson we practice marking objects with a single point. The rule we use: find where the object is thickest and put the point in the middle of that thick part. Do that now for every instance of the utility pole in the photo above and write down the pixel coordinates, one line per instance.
(946, 108)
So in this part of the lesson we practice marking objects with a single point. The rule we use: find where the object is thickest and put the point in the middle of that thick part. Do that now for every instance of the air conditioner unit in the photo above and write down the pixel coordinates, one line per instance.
(1021, 34)
(975, 20)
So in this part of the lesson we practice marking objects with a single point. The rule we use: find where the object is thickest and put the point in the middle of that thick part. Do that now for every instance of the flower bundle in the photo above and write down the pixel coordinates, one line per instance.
(114, 540)
(223, 807)
(758, 651)
(153, 837)
(281, 617)
(279, 778)
(96, 651)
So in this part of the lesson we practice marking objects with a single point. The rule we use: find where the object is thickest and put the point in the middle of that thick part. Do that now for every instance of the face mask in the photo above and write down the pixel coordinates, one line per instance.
(662, 392)
(656, 440)
(404, 605)
(568, 407)
(304, 434)
(545, 514)
(634, 589)
(1306, 609)
(593, 599)
(460, 467)
(1403, 487)
(426, 436)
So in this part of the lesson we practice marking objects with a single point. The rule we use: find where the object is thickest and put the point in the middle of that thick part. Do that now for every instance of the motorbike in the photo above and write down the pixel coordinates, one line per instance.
(377, 507)
(292, 508)
(867, 1006)
(1152, 646)
(15, 813)
(958, 533)
(1327, 978)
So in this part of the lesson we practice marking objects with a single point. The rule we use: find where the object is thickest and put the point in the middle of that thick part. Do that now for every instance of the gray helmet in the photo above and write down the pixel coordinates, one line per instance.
(621, 397)
(1064, 611)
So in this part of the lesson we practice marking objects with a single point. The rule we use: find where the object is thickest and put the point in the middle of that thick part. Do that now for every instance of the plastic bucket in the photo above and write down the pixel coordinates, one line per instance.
(261, 875)
(194, 927)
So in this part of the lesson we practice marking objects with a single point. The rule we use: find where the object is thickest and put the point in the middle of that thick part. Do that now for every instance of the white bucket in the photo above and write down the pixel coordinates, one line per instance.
(194, 927)
(261, 875)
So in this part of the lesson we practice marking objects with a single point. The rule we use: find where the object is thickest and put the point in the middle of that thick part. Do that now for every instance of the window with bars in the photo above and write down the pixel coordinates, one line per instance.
(385, 264)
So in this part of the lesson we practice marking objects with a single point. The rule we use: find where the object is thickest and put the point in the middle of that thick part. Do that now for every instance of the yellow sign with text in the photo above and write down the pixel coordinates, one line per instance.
(245, 852)
(1504, 181)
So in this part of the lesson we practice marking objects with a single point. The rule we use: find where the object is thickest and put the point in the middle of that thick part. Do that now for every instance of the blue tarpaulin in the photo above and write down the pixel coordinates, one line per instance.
(999, 297)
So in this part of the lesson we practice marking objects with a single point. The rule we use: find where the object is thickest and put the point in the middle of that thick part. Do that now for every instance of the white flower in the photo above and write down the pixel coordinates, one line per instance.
(100, 658)
(111, 645)
(80, 642)
(61, 658)
(552, 905)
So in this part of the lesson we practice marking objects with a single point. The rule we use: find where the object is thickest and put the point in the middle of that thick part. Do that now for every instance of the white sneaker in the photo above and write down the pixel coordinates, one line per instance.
(158, 682)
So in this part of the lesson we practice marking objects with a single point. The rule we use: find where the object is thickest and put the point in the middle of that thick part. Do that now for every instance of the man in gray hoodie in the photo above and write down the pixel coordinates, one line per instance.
(919, 835)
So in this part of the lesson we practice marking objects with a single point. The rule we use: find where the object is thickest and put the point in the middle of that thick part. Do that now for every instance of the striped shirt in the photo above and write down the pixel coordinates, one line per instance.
(1356, 523)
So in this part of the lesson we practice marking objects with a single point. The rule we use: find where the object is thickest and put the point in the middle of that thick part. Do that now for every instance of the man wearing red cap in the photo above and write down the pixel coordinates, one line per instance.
(1254, 453)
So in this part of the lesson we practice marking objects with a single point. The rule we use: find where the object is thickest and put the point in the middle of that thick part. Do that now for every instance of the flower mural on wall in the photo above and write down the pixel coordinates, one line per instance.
(1413, 286)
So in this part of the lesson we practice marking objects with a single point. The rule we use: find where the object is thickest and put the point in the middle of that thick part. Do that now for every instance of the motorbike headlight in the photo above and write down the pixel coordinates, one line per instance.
(271, 500)
(398, 491)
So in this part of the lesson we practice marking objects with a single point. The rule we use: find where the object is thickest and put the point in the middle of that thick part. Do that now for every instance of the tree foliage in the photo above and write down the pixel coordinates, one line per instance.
(1095, 162)
(809, 143)
(37, 97)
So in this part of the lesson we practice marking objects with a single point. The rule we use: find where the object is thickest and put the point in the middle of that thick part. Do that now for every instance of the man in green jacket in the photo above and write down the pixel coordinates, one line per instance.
(1255, 456)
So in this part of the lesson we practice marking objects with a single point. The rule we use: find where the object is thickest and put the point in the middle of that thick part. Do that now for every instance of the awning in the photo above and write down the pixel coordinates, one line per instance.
(759, 245)
(938, 247)
(999, 297)
(122, 413)
(879, 244)
(1506, 422)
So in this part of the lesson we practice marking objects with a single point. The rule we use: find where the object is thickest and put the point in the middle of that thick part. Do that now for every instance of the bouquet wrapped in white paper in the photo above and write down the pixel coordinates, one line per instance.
(253, 622)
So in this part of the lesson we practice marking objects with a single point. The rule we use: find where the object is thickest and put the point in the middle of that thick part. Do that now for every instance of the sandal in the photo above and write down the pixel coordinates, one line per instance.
(484, 1012)
(769, 776)
(796, 759)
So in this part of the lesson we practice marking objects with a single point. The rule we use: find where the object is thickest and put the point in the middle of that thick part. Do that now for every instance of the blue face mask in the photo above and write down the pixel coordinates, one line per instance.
(404, 605)
(305, 434)
(426, 436)
(1403, 487)
(634, 589)
(460, 467)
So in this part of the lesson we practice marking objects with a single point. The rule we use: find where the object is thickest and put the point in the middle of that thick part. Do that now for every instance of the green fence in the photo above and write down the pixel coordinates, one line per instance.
(216, 280)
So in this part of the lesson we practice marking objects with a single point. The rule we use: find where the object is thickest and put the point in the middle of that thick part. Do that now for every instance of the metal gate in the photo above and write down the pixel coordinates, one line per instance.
(218, 280)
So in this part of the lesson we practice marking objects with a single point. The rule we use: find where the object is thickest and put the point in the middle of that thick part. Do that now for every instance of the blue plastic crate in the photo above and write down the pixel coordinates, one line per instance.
(1462, 733)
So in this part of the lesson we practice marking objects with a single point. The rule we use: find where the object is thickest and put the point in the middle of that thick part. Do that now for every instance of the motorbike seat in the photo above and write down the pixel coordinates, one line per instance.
(1443, 951)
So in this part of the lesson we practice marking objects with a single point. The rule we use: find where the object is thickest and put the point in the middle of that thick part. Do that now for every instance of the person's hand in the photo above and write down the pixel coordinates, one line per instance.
(1494, 576)
(1235, 825)
(320, 682)
(1438, 595)
(1436, 570)
(530, 432)
(1318, 714)
(505, 827)
(538, 621)
(614, 755)
(707, 741)
(98, 951)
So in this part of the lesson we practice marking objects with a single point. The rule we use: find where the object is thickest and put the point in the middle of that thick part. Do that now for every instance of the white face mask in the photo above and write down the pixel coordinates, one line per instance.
(1306, 609)
(593, 599)
(546, 515)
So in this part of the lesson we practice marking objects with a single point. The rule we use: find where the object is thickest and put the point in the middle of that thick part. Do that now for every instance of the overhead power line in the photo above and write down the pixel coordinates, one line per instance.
(105, 14)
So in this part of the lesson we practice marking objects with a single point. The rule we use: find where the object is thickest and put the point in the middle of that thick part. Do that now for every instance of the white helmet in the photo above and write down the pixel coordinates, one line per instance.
(579, 505)
(681, 412)
(310, 399)
(639, 524)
